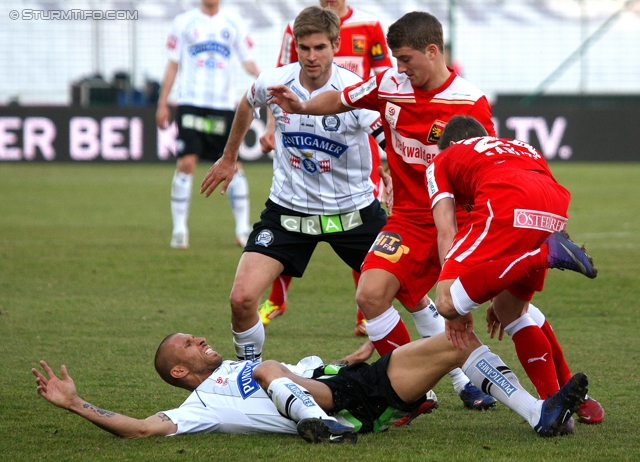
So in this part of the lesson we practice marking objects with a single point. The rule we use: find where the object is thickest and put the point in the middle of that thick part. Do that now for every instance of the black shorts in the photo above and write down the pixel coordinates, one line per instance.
(366, 392)
(203, 131)
(294, 248)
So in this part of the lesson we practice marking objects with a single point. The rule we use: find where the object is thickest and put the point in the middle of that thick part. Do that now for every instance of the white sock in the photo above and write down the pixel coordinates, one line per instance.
(536, 315)
(293, 401)
(487, 371)
(429, 323)
(180, 199)
(461, 301)
(523, 321)
(249, 343)
(238, 193)
(380, 326)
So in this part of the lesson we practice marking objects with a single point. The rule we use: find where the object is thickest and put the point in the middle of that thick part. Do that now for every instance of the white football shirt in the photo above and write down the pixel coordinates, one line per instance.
(204, 45)
(322, 163)
(231, 401)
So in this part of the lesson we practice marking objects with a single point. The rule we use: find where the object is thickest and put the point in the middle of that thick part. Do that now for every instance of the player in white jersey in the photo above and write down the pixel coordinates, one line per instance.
(246, 397)
(201, 45)
(321, 190)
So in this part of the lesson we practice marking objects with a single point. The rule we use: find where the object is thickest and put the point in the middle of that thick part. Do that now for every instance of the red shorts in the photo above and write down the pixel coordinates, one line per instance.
(409, 251)
(509, 218)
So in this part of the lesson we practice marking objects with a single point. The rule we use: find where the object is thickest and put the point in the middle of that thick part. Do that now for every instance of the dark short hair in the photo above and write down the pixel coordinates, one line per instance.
(317, 20)
(460, 128)
(165, 360)
(416, 30)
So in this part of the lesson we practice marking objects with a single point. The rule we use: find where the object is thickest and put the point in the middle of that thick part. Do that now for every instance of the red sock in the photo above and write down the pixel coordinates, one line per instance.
(535, 355)
(396, 338)
(562, 368)
(486, 280)
(279, 289)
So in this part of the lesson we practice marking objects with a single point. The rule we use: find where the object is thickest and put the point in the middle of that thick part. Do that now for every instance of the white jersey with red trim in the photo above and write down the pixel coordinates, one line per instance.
(322, 163)
(363, 46)
(204, 45)
(231, 401)
(413, 120)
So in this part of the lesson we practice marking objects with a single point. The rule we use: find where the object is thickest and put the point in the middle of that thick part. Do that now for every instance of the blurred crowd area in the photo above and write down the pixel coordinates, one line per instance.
(502, 46)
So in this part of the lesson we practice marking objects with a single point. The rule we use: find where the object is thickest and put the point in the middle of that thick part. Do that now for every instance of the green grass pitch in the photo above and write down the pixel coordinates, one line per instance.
(87, 279)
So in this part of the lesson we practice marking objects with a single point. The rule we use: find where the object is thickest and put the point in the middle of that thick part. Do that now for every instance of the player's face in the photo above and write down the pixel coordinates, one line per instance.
(195, 353)
(211, 3)
(315, 55)
(417, 65)
(339, 6)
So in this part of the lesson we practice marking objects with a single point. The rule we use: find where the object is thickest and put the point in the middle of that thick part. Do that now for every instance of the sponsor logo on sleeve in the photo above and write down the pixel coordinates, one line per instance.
(362, 90)
(432, 186)
(389, 246)
(391, 114)
(376, 52)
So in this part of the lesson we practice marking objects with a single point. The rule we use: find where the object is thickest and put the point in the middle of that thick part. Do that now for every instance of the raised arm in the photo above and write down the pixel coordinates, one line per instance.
(62, 393)
(325, 103)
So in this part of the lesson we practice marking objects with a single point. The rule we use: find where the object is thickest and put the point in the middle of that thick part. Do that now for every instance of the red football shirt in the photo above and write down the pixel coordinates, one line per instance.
(413, 120)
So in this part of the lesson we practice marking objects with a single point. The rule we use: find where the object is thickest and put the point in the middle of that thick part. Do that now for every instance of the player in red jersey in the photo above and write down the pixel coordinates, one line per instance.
(363, 49)
(415, 101)
(505, 247)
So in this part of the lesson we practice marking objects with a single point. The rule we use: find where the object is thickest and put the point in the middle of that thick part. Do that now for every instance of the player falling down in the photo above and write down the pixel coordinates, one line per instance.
(324, 404)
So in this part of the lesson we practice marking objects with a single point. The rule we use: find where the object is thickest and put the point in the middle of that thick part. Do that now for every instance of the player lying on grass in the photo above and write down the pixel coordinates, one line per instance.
(269, 397)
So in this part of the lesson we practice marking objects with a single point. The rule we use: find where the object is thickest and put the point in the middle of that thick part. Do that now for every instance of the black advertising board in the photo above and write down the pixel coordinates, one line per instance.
(562, 128)
(71, 134)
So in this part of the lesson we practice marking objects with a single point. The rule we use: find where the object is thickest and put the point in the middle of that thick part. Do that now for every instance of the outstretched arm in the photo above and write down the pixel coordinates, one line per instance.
(326, 103)
(62, 393)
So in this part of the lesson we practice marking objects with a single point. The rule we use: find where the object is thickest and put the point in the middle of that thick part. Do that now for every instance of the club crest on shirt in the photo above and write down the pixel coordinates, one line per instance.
(389, 245)
(436, 131)
(331, 123)
(358, 44)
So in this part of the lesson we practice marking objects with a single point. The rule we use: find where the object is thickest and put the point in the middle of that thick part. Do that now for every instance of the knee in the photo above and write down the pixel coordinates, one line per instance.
(187, 163)
(371, 303)
(266, 372)
(242, 303)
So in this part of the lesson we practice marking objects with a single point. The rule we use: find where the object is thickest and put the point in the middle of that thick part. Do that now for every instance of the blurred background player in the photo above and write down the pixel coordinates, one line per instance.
(201, 45)
(415, 101)
(363, 50)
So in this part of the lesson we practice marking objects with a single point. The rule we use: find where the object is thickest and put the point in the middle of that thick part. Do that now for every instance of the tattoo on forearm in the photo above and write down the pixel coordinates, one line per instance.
(97, 410)
(164, 417)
